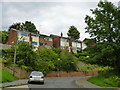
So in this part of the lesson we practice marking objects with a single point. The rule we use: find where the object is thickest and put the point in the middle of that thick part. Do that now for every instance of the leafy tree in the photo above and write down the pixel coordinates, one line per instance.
(16, 26)
(104, 25)
(28, 26)
(73, 32)
(4, 35)
(105, 28)
(25, 55)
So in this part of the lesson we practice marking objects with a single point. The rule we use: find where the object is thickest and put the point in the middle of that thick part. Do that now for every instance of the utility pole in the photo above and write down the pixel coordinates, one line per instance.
(15, 55)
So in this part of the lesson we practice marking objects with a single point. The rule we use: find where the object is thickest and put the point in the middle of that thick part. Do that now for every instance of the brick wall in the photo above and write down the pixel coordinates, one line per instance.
(12, 37)
(71, 74)
(56, 41)
(42, 40)
(22, 73)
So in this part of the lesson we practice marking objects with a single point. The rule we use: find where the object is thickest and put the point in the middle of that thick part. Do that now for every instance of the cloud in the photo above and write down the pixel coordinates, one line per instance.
(49, 17)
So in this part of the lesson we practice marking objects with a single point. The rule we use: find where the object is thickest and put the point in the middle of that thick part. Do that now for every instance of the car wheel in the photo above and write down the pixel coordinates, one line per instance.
(42, 82)
(29, 82)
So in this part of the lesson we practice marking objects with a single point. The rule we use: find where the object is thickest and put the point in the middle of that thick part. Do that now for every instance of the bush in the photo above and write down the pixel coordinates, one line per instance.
(68, 61)
(45, 60)
(106, 79)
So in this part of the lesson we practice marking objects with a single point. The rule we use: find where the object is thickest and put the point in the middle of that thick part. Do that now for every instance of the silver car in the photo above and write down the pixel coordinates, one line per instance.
(36, 76)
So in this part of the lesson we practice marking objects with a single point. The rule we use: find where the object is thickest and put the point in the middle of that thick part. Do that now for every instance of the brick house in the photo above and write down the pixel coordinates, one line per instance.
(65, 42)
(38, 40)
(45, 41)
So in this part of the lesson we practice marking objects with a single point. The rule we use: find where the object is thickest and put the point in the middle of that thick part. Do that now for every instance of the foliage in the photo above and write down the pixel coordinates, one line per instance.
(16, 26)
(24, 55)
(107, 79)
(68, 61)
(28, 26)
(73, 32)
(104, 25)
(105, 28)
(105, 54)
(57, 51)
(86, 69)
(45, 60)
(4, 35)
(6, 76)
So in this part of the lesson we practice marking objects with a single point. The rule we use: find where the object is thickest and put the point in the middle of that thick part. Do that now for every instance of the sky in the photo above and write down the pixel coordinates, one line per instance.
(49, 16)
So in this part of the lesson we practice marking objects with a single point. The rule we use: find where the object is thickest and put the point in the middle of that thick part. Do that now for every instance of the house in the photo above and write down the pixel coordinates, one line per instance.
(66, 43)
(38, 40)
(44, 41)
(88, 42)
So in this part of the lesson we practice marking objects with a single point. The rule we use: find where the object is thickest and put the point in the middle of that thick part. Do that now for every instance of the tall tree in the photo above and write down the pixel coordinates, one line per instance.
(16, 26)
(73, 32)
(27, 26)
(105, 28)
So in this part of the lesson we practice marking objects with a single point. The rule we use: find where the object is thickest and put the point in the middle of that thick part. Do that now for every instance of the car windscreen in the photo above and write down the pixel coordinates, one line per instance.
(36, 74)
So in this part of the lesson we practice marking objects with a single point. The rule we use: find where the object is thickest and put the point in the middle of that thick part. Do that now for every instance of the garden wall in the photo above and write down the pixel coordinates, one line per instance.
(22, 73)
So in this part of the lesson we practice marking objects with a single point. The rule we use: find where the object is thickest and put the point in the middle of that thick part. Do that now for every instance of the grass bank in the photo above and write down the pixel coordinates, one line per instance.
(6, 76)
(108, 79)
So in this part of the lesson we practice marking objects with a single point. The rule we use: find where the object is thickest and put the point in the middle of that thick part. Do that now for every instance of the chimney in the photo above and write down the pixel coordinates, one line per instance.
(61, 34)
(38, 32)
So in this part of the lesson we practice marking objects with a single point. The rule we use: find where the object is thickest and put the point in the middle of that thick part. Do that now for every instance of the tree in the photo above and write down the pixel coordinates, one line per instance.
(4, 35)
(16, 26)
(27, 26)
(105, 28)
(104, 25)
(73, 32)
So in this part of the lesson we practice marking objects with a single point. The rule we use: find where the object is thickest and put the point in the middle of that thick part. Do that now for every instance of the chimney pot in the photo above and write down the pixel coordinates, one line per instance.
(61, 34)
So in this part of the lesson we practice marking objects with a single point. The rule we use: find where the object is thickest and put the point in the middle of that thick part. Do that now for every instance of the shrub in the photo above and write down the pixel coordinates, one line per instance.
(68, 61)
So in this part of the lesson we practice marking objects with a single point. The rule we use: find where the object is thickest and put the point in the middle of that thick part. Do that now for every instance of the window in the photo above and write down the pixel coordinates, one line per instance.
(62, 47)
(41, 44)
(34, 43)
(49, 47)
(34, 35)
(46, 45)
(64, 40)
(23, 34)
(48, 39)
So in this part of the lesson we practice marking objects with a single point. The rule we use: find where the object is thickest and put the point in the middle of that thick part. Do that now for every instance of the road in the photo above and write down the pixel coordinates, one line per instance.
(58, 82)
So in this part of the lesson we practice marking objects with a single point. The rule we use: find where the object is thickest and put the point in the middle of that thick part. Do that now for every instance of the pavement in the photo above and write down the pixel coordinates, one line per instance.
(17, 82)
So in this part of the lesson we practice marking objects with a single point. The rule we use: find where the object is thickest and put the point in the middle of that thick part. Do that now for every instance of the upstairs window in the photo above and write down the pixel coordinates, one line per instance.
(48, 39)
(23, 34)
(34, 43)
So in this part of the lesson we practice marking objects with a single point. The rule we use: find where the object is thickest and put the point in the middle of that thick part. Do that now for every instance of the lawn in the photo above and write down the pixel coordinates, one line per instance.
(6, 76)
(106, 80)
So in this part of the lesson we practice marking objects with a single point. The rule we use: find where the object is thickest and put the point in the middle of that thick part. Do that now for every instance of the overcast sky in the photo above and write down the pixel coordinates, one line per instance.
(49, 17)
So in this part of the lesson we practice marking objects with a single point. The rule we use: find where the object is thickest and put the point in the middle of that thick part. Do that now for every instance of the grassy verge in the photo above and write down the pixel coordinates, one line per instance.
(106, 80)
(6, 76)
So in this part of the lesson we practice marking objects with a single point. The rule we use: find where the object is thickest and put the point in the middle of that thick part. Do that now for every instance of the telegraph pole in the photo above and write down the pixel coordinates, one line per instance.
(15, 55)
